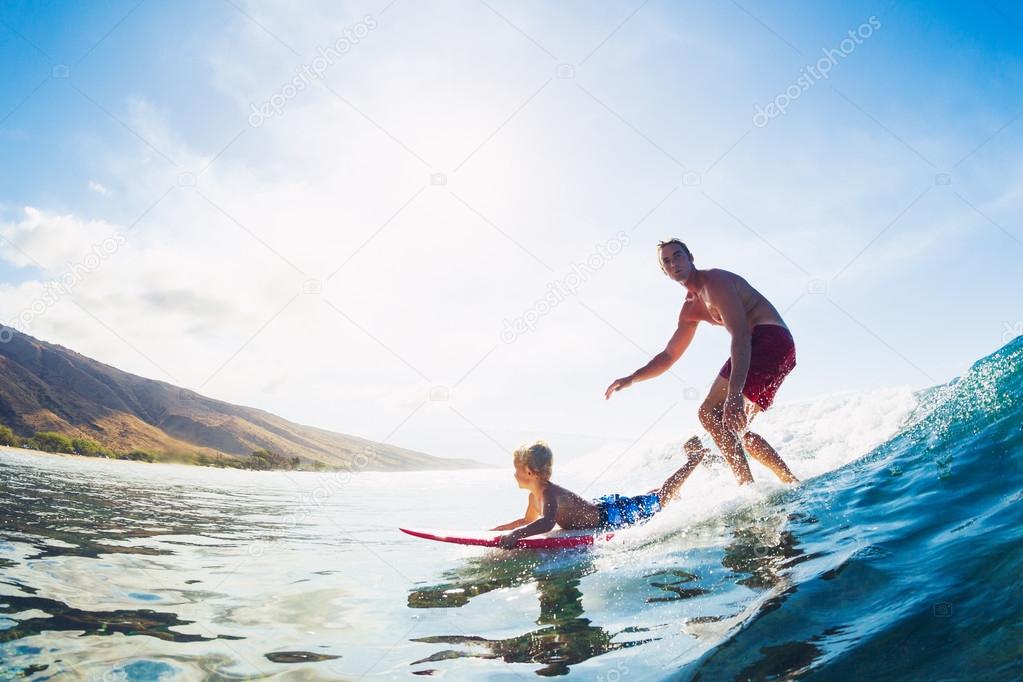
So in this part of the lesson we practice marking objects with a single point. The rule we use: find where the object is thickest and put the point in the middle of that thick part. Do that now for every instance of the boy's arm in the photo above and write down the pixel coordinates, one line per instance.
(546, 521)
(511, 524)
(528, 516)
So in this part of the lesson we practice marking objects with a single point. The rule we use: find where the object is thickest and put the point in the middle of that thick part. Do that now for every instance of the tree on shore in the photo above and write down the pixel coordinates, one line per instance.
(8, 437)
(89, 448)
(138, 456)
(265, 460)
(51, 441)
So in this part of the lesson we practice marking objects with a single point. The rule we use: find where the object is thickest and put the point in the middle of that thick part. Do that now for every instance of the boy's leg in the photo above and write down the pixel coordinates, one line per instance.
(760, 450)
(730, 446)
(670, 487)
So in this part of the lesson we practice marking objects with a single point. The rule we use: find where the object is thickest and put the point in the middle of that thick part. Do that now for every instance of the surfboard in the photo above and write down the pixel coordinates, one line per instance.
(558, 539)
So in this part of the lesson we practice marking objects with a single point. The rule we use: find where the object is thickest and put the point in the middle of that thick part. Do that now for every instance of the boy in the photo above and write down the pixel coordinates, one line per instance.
(551, 505)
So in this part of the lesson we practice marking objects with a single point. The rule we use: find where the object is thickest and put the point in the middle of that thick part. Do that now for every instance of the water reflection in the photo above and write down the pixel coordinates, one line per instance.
(121, 541)
(672, 583)
(668, 597)
(565, 636)
(759, 551)
(89, 517)
(61, 617)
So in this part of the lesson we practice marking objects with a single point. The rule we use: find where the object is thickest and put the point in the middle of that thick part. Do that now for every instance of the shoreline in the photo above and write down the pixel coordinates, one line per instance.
(70, 455)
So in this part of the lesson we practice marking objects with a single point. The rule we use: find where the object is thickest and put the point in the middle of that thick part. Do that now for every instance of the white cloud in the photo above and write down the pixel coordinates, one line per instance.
(98, 188)
(207, 290)
(51, 242)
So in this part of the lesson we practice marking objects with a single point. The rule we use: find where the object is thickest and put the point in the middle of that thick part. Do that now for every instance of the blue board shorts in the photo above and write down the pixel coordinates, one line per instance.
(618, 510)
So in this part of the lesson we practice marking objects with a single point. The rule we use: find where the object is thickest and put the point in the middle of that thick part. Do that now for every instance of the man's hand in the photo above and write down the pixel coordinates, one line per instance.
(508, 541)
(734, 417)
(617, 385)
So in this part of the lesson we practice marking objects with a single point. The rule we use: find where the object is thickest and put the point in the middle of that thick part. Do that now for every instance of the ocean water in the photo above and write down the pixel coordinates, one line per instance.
(899, 557)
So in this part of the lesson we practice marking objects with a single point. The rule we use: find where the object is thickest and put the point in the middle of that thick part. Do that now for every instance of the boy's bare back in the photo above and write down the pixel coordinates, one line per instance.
(571, 511)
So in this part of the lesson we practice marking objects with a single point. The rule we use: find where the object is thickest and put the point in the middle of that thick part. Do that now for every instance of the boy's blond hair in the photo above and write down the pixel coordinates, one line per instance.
(537, 457)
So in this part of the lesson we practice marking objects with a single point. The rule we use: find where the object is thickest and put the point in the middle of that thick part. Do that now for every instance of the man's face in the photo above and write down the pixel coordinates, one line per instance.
(675, 262)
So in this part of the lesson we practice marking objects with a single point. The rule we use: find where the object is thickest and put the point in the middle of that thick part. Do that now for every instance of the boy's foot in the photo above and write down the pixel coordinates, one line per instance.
(694, 448)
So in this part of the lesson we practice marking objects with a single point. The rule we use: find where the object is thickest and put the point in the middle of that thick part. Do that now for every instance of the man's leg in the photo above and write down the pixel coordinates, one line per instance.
(728, 443)
(760, 450)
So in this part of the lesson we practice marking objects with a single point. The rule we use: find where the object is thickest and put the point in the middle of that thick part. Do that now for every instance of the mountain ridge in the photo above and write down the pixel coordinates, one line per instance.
(48, 387)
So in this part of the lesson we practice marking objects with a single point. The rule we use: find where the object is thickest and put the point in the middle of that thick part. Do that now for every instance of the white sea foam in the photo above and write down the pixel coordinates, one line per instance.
(813, 437)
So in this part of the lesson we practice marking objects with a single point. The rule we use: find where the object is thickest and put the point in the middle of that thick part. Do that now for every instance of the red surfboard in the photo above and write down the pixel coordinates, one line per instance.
(558, 539)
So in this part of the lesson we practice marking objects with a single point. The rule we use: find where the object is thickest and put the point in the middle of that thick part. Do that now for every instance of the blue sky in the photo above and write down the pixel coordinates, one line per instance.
(308, 265)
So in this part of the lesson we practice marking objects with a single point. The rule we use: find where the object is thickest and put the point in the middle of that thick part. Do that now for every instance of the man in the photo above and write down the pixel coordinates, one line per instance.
(763, 353)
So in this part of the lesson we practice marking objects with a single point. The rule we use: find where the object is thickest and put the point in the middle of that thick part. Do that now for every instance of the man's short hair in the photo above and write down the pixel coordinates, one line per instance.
(674, 240)
(537, 457)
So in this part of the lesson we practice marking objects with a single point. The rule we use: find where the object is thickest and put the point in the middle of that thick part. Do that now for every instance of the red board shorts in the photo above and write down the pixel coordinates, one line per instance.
(772, 357)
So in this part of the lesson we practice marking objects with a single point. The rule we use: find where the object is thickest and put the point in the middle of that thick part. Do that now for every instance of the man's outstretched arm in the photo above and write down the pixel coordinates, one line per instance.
(661, 362)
